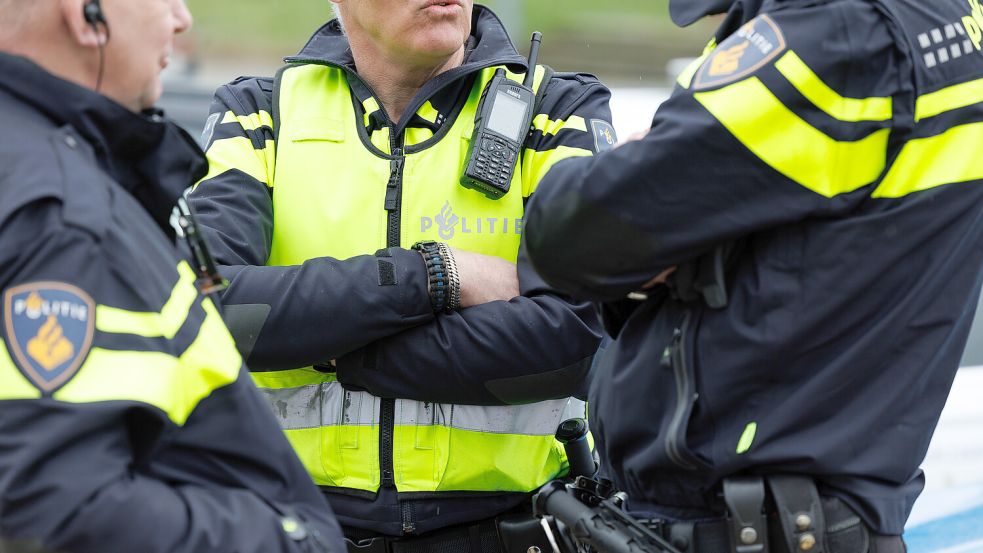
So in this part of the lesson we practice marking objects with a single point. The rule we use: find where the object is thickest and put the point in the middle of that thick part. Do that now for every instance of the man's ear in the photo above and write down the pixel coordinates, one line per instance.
(82, 32)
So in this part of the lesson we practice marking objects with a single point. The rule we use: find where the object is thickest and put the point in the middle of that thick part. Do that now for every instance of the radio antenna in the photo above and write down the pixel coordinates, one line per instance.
(537, 39)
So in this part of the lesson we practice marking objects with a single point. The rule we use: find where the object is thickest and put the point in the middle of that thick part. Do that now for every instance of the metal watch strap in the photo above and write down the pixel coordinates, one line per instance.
(453, 277)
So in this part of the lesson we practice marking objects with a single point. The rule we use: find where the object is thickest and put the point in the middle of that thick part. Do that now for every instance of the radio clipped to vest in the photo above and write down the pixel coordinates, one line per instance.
(500, 127)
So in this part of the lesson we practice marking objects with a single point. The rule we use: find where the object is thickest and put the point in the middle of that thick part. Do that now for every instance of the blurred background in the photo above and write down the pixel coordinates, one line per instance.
(636, 50)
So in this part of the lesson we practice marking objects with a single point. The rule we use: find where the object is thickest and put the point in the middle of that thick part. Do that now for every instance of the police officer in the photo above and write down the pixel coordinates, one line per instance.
(812, 179)
(441, 413)
(127, 420)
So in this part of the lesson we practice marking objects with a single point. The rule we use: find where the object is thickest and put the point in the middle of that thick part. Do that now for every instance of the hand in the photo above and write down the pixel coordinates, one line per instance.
(485, 278)
(633, 137)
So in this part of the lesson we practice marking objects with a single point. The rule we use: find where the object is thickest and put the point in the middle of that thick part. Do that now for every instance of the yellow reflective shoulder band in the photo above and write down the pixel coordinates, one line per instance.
(948, 99)
(165, 323)
(850, 110)
(542, 122)
(535, 164)
(685, 79)
(249, 122)
(537, 80)
(13, 385)
(239, 153)
(926, 163)
(792, 146)
(175, 385)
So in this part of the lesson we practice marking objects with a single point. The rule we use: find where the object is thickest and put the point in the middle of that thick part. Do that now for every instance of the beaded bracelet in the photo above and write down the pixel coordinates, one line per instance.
(438, 284)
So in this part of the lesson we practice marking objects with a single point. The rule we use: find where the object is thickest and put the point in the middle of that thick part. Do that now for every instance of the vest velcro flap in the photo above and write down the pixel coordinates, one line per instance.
(319, 128)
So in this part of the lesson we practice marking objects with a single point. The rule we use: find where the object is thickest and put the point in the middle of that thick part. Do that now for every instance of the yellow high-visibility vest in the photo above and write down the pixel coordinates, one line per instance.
(329, 191)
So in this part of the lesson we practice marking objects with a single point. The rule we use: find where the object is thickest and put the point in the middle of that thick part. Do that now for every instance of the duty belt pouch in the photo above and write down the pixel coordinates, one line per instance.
(845, 532)
(748, 528)
(800, 513)
(520, 534)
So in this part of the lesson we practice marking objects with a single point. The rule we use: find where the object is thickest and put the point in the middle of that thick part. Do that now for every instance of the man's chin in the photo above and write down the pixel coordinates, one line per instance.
(149, 99)
(441, 44)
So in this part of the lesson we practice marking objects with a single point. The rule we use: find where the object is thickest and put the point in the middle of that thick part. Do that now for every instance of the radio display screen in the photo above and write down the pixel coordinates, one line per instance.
(507, 116)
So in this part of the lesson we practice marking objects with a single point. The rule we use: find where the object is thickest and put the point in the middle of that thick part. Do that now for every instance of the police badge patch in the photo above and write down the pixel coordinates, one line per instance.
(755, 44)
(604, 136)
(49, 328)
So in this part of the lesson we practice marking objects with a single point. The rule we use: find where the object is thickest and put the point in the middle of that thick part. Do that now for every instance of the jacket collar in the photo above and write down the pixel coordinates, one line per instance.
(686, 12)
(489, 45)
(152, 158)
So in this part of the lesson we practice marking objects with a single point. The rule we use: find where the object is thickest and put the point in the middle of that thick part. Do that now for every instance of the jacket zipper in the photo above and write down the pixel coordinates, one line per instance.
(685, 397)
(387, 409)
(393, 195)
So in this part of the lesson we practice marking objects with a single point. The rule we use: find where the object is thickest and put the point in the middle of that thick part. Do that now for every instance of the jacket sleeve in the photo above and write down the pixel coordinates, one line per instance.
(154, 443)
(234, 207)
(794, 124)
(535, 347)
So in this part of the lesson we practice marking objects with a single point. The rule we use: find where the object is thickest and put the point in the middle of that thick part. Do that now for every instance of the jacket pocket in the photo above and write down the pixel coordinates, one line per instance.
(678, 357)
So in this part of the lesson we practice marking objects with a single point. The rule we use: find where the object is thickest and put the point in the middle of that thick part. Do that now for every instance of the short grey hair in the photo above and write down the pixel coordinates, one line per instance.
(337, 13)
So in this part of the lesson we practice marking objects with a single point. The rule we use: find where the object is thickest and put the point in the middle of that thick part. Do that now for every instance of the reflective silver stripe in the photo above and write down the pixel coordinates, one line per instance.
(329, 404)
(535, 419)
(325, 404)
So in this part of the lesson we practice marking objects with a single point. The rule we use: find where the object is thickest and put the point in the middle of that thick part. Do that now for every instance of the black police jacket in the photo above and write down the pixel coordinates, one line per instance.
(834, 142)
(127, 420)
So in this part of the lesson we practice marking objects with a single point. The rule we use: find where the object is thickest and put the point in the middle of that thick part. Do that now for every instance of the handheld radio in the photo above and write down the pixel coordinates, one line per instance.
(500, 127)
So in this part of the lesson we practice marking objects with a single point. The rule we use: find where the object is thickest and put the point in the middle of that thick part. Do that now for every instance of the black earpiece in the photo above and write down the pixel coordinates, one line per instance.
(93, 13)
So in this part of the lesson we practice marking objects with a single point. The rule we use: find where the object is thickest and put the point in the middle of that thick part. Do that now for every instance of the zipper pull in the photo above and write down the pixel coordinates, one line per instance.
(666, 360)
(395, 174)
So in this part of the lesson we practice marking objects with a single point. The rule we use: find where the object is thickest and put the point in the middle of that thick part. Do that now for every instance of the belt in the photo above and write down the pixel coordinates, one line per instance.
(508, 533)
(844, 533)
(480, 537)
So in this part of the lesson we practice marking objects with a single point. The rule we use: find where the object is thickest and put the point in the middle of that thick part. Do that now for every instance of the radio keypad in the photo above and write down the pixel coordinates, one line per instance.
(495, 160)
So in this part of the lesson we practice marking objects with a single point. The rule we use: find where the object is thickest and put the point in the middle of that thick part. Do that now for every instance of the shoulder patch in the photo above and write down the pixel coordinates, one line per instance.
(604, 136)
(49, 328)
(753, 45)
(209, 131)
